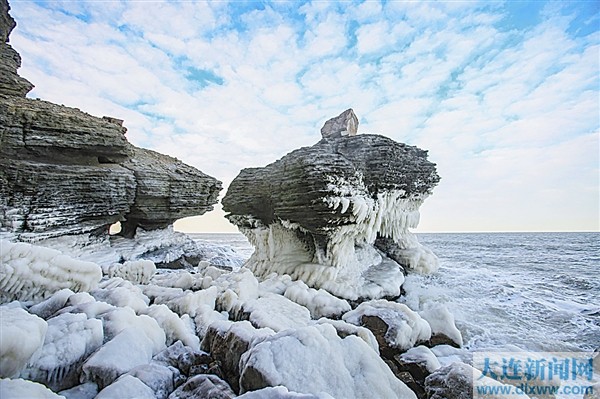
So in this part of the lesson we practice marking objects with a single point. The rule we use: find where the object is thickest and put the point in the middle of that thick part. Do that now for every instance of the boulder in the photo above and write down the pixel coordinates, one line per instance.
(316, 214)
(345, 124)
(395, 326)
(203, 386)
(315, 360)
(227, 342)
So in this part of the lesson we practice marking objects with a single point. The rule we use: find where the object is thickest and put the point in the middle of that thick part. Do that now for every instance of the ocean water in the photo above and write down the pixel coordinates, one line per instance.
(534, 291)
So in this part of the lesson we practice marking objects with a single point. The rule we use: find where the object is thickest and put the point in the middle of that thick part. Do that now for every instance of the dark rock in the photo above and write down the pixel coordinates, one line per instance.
(455, 381)
(379, 328)
(451, 382)
(315, 213)
(11, 84)
(227, 342)
(167, 190)
(160, 378)
(63, 171)
(203, 386)
(441, 339)
(345, 124)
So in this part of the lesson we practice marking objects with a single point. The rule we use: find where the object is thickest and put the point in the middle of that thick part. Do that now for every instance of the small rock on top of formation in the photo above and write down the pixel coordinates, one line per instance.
(345, 124)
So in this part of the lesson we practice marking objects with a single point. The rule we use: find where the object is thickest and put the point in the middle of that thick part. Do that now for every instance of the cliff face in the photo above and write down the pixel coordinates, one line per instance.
(337, 215)
(63, 171)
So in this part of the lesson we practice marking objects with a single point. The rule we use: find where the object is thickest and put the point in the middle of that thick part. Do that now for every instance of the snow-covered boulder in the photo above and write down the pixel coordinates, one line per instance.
(121, 293)
(281, 393)
(22, 389)
(138, 271)
(50, 306)
(70, 339)
(204, 386)
(317, 213)
(443, 327)
(87, 390)
(158, 377)
(314, 360)
(30, 272)
(320, 303)
(129, 349)
(396, 327)
(227, 341)
(176, 328)
(455, 381)
(127, 387)
(21, 337)
(275, 312)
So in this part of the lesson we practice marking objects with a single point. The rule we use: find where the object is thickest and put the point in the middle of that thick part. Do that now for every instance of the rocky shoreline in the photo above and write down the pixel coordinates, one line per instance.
(150, 313)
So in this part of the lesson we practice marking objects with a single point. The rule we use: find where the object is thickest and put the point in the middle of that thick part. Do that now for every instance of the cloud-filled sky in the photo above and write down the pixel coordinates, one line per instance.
(504, 95)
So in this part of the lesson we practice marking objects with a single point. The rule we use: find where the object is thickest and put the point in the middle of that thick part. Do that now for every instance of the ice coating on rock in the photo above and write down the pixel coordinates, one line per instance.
(21, 336)
(322, 362)
(404, 327)
(31, 272)
(70, 339)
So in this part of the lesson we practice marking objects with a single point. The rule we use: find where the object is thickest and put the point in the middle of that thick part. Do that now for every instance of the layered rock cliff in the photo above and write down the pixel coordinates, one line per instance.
(63, 171)
(337, 215)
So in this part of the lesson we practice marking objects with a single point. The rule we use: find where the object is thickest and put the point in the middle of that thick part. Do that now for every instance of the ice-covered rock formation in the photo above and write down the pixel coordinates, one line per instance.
(337, 215)
(63, 171)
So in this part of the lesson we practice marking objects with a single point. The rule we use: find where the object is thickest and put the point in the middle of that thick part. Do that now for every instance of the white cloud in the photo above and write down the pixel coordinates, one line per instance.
(510, 116)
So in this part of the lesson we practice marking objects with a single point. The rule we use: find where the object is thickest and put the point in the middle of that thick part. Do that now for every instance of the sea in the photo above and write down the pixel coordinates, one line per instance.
(507, 291)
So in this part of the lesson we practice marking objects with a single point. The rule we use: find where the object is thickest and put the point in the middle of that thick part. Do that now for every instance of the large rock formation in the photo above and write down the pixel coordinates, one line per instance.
(63, 171)
(10, 61)
(331, 214)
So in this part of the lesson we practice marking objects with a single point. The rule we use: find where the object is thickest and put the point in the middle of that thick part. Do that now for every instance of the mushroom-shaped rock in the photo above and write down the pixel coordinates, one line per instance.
(316, 214)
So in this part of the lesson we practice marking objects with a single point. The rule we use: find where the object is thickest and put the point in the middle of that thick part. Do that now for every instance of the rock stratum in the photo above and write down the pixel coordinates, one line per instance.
(337, 215)
(65, 172)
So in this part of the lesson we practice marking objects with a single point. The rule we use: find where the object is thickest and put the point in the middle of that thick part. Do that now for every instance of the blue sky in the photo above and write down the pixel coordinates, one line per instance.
(504, 95)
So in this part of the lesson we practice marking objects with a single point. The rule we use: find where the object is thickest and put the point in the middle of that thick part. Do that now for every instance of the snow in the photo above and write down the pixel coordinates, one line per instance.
(69, 340)
(442, 322)
(48, 307)
(21, 337)
(30, 272)
(314, 360)
(320, 303)
(205, 316)
(118, 356)
(21, 389)
(276, 312)
(415, 256)
(180, 301)
(139, 272)
(127, 387)
(280, 392)
(158, 377)
(344, 329)
(121, 319)
(405, 327)
(275, 283)
(424, 355)
(88, 390)
(121, 293)
(175, 328)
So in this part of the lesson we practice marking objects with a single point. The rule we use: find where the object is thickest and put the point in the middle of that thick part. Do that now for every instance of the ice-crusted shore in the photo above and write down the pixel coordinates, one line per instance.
(155, 333)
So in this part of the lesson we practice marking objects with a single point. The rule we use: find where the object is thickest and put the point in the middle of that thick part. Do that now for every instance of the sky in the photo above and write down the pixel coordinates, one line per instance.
(503, 94)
